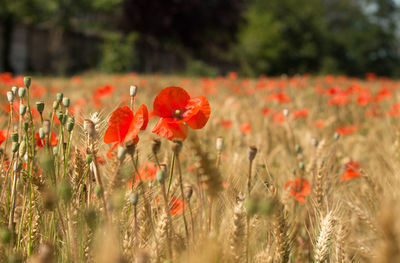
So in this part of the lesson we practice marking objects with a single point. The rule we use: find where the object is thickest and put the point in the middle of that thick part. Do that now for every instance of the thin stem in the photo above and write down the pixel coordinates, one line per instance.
(171, 172)
(182, 196)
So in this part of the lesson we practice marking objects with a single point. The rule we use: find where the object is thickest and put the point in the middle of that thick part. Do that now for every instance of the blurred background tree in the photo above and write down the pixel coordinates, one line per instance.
(216, 36)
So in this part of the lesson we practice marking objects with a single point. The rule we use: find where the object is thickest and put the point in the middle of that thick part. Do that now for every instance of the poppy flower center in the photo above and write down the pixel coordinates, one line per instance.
(177, 114)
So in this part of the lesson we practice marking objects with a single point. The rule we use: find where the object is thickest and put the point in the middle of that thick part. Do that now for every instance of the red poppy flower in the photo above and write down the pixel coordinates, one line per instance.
(124, 126)
(346, 130)
(53, 140)
(176, 206)
(147, 171)
(226, 124)
(2, 136)
(319, 124)
(300, 113)
(352, 171)
(100, 93)
(245, 128)
(265, 111)
(299, 188)
(339, 99)
(176, 109)
(278, 117)
(280, 97)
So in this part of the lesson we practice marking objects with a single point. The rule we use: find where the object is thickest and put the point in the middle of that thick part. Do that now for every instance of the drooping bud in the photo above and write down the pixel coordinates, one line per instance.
(155, 146)
(188, 191)
(251, 153)
(133, 90)
(21, 92)
(219, 144)
(10, 97)
(27, 81)
(177, 146)
(22, 109)
(66, 102)
(40, 106)
(46, 127)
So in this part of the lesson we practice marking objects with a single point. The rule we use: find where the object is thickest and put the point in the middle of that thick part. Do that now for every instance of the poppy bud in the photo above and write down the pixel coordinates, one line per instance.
(188, 191)
(59, 97)
(155, 146)
(55, 105)
(14, 137)
(134, 198)
(133, 90)
(40, 106)
(286, 112)
(89, 158)
(15, 147)
(251, 153)
(219, 144)
(298, 149)
(27, 81)
(121, 153)
(46, 127)
(66, 102)
(41, 133)
(10, 97)
(25, 126)
(160, 176)
(176, 146)
(22, 109)
(14, 90)
(89, 128)
(22, 148)
(21, 92)
(70, 124)
(130, 147)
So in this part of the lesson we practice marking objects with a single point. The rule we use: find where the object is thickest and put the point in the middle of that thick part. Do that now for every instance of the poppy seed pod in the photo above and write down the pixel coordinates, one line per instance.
(21, 92)
(252, 152)
(10, 96)
(14, 137)
(40, 106)
(134, 198)
(14, 90)
(133, 90)
(14, 147)
(22, 109)
(155, 145)
(25, 126)
(27, 81)
(121, 153)
(70, 124)
(66, 102)
(160, 176)
(188, 191)
(46, 126)
(42, 135)
(60, 116)
(219, 144)
(55, 105)
(177, 146)
(89, 127)
(59, 97)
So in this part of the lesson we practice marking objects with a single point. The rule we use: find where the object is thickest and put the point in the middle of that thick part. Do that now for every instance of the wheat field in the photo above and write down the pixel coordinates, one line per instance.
(285, 169)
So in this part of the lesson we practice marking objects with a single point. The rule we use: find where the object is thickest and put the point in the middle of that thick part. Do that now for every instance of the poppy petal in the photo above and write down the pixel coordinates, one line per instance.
(169, 100)
(170, 129)
(118, 125)
(138, 123)
(199, 112)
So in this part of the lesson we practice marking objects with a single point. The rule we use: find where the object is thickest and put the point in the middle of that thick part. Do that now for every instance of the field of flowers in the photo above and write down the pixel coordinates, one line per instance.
(151, 168)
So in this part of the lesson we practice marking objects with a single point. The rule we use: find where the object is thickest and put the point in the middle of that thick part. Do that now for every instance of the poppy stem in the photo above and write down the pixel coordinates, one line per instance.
(169, 224)
(171, 172)
(182, 196)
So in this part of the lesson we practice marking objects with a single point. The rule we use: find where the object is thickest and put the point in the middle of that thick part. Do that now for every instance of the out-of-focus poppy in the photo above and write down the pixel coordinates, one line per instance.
(124, 126)
(352, 170)
(299, 188)
(346, 130)
(280, 97)
(53, 140)
(265, 111)
(176, 206)
(176, 109)
(3, 134)
(319, 124)
(300, 113)
(245, 128)
(226, 124)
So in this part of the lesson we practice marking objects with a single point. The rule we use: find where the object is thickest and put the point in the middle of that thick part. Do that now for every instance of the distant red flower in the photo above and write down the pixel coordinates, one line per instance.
(3, 134)
(176, 109)
(100, 93)
(53, 140)
(300, 113)
(278, 117)
(319, 124)
(226, 124)
(299, 188)
(383, 93)
(245, 128)
(280, 97)
(339, 99)
(265, 111)
(124, 126)
(346, 130)
(352, 170)
(176, 206)
(147, 171)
